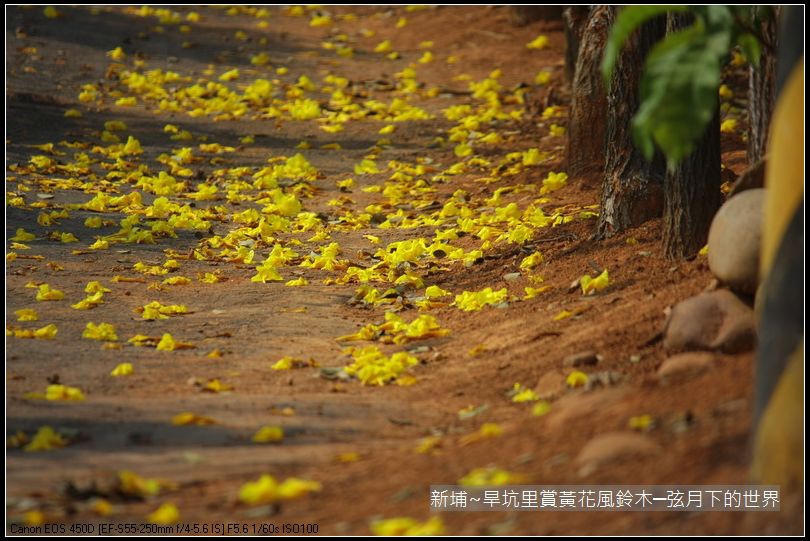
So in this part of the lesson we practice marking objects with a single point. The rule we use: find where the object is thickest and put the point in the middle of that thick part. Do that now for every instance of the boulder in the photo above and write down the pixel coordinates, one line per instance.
(614, 446)
(734, 240)
(685, 364)
(711, 321)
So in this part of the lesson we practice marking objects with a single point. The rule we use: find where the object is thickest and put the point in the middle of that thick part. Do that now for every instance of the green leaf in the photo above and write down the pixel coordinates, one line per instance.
(750, 47)
(679, 90)
(629, 18)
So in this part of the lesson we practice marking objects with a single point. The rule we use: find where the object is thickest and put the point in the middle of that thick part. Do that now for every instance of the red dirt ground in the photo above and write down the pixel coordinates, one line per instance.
(702, 423)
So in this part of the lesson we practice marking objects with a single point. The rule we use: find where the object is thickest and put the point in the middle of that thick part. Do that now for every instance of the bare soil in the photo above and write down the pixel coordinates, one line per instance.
(702, 423)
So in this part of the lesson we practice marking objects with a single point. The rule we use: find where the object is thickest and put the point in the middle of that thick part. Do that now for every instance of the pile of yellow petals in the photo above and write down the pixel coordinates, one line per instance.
(102, 331)
(58, 392)
(267, 490)
(372, 367)
(396, 331)
(476, 300)
(45, 293)
(48, 332)
(155, 310)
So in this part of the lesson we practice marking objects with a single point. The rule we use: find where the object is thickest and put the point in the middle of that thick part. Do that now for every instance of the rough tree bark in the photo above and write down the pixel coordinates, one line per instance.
(575, 18)
(762, 84)
(692, 190)
(632, 187)
(585, 147)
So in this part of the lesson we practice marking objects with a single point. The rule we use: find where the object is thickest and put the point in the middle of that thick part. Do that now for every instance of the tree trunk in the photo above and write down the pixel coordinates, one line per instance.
(585, 148)
(575, 18)
(632, 187)
(762, 83)
(692, 190)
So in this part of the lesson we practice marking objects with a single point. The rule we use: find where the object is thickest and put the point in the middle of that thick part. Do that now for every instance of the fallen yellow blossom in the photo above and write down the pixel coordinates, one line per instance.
(102, 331)
(268, 434)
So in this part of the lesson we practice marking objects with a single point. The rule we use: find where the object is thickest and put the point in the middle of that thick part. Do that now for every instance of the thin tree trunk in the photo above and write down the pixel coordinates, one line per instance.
(632, 187)
(585, 148)
(575, 17)
(692, 190)
(762, 84)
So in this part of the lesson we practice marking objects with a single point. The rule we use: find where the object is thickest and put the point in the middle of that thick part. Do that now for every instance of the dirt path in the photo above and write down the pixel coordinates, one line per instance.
(375, 450)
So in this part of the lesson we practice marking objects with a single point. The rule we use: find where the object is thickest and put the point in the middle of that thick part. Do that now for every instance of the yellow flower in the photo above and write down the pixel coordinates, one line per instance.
(576, 378)
(102, 331)
(135, 485)
(521, 394)
(540, 42)
(297, 282)
(487, 430)
(230, 75)
(383, 47)
(96, 287)
(91, 301)
(728, 125)
(63, 392)
(23, 236)
(531, 261)
(117, 54)
(188, 418)
(45, 439)
(351, 456)
(407, 526)
(266, 272)
(592, 285)
(167, 513)
(177, 281)
(489, 476)
(45, 293)
(562, 315)
(641, 422)
(168, 343)
(532, 292)
(123, 369)
(366, 167)
(268, 434)
(267, 490)
(26, 314)
(541, 408)
(475, 300)
(101, 507)
(553, 182)
(216, 386)
(462, 150)
(36, 517)
(155, 310)
(372, 367)
(542, 78)
(434, 292)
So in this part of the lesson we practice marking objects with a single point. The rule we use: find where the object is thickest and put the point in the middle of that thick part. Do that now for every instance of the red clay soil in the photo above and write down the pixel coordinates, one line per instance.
(702, 423)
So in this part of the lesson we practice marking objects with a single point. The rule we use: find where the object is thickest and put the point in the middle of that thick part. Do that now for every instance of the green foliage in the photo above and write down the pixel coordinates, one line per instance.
(682, 72)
